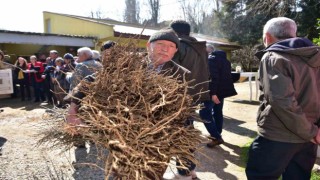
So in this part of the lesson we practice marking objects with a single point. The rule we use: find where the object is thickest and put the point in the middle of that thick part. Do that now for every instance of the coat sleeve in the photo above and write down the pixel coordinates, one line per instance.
(214, 68)
(78, 92)
(279, 91)
(77, 75)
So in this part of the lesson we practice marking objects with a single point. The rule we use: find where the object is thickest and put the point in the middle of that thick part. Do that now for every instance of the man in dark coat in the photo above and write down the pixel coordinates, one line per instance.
(221, 86)
(193, 56)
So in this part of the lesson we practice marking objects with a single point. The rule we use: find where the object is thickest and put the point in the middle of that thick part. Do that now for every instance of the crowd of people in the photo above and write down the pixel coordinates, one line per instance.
(51, 78)
(289, 111)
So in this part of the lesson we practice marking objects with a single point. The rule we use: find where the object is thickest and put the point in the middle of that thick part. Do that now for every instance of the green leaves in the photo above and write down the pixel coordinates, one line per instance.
(317, 40)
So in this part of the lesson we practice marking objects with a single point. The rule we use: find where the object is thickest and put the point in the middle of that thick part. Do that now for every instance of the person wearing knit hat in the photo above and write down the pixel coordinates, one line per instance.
(181, 27)
(108, 45)
(193, 56)
(68, 56)
(162, 46)
(165, 34)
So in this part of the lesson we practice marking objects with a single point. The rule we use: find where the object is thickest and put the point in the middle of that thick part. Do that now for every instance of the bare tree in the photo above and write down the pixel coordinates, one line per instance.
(276, 8)
(154, 8)
(98, 14)
(246, 58)
(196, 12)
(132, 11)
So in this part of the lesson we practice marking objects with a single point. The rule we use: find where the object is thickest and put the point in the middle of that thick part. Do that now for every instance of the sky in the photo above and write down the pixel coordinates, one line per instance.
(26, 15)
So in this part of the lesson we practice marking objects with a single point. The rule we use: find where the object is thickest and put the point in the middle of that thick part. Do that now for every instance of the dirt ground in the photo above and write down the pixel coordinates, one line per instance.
(22, 159)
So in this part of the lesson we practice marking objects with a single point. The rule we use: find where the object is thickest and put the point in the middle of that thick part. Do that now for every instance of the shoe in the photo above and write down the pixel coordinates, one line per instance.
(61, 106)
(215, 142)
(190, 176)
(48, 102)
(80, 144)
(182, 177)
(193, 175)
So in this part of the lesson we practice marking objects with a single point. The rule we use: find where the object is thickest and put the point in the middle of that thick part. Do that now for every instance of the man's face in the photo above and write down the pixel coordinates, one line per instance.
(161, 51)
(33, 60)
(209, 50)
(82, 57)
(53, 55)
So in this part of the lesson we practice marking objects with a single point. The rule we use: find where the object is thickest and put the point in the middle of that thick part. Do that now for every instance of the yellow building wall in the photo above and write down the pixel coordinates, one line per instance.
(64, 24)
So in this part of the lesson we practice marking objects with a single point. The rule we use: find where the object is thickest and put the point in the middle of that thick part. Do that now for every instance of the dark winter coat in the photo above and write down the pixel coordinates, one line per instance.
(193, 56)
(220, 73)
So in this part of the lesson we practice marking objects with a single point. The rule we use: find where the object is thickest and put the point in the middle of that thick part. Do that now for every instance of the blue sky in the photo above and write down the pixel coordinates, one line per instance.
(26, 15)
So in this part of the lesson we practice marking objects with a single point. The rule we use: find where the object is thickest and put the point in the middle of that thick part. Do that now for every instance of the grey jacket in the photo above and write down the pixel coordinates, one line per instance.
(82, 70)
(290, 91)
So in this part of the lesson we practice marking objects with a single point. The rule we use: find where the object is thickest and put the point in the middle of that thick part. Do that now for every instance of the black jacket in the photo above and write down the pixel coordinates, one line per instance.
(220, 72)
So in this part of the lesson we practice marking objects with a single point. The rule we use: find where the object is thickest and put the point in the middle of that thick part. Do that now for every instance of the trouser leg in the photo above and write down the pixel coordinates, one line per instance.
(22, 87)
(301, 165)
(187, 163)
(218, 115)
(206, 114)
(36, 91)
(41, 91)
(267, 159)
(27, 87)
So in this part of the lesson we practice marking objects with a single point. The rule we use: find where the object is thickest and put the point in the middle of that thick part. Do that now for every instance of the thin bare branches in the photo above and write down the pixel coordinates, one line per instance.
(136, 114)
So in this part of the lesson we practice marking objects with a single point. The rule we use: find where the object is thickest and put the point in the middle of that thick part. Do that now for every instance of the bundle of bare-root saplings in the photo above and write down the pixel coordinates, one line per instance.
(137, 114)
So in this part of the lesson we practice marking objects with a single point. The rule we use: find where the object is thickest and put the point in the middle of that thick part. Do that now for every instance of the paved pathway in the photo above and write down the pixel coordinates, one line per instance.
(239, 129)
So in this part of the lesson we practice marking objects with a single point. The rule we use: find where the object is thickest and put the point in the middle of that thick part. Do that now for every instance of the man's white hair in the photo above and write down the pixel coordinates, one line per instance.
(96, 54)
(210, 46)
(86, 50)
(281, 28)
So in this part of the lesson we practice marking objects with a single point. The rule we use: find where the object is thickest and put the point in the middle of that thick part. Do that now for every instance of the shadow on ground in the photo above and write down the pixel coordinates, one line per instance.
(215, 160)
(240, 101)
(2, 142)
(233, 125)
(88, 163)
(16, 103)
